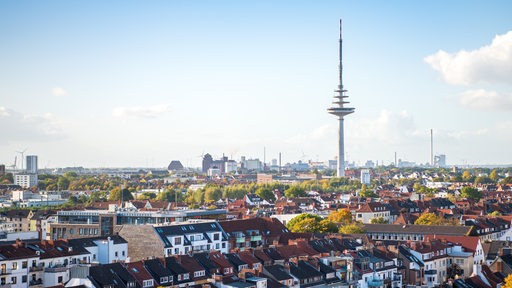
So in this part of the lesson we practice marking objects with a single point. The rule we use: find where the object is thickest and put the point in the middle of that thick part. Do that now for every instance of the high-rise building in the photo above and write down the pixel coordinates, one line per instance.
(25, 180)
(31, 164)
(2, 170)
(365, 176)
(340, 111)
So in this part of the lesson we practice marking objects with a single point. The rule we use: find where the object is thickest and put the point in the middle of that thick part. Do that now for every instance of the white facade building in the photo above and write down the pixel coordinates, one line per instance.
(365, 176)
(25, 180)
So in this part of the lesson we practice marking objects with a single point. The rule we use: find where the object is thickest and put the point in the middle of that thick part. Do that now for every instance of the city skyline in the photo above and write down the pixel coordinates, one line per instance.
(130, 84)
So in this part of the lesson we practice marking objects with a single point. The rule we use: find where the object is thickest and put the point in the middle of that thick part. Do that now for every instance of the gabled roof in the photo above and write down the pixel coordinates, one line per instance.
(304, 270)
(248, 257)
(157, 269)
(277, 272)
(174, 266)
(189, 263)
(111, 274)
(235, 259)
(469, 243)
(137, 270)
(206, 262)
(188, 228)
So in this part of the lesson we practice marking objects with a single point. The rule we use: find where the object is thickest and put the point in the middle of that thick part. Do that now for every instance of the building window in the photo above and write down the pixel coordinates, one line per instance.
(59, 280)
(116, 254)
(24, 264)
(24, 279)
(223, 245)
(177, 241)
(14, 265)
(13, 280)
(123, 253)
(216, 236)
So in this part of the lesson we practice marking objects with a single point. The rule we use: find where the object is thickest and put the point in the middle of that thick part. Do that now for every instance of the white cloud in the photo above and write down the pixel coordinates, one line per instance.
(388, 128)
(491, 63)
(59, 92)
(14, 126)
(485, 100)
(140, 112)
(317, 134)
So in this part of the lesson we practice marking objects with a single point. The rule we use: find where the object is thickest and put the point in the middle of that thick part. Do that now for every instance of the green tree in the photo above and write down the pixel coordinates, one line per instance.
(494, 176)
(379, 220)
(470, 193)
(429, 219)
(294, 192)
(507, 180)
(117, 194)
(327, 226)
(170, 195)
(265, 193)
(483, 180)
(369, 193)
(63, 183)
(212, 194)
(353, 228)
(343, 216)
(305, 223)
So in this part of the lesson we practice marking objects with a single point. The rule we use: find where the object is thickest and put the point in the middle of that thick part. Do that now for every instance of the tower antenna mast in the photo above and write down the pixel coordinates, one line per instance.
(340, 111)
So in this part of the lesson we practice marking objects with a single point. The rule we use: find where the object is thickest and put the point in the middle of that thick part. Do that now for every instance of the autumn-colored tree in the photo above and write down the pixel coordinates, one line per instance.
(305, 223)
(494, 176)
(353, 228)
(379, 220)
(343, 216)
(495, 213)
(117, 194)
(429, 219)
(508, 282)
(467, 177)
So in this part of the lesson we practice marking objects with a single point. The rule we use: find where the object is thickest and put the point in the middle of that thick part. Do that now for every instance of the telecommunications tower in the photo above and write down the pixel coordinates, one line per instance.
(340, 111)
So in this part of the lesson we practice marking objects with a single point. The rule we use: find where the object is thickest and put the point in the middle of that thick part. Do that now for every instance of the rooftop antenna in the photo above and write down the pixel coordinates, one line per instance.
(340, 111)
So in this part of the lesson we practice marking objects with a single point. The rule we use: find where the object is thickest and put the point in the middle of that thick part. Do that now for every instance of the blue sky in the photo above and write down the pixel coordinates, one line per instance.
(140, 83)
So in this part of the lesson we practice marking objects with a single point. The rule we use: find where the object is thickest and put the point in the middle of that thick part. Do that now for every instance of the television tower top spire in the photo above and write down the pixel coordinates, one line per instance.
(340, 111)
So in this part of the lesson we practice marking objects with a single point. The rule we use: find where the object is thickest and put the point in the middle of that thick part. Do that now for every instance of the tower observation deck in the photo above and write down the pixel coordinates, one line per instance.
(338, 109)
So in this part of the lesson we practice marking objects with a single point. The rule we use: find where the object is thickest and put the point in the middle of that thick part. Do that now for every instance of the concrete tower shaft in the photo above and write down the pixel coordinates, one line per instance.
(338, 109)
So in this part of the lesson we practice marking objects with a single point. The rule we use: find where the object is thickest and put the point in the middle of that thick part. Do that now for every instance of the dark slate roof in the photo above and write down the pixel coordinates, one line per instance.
(404, 251)
(206, 262)
(304, 270)
(174, 266)
(156, 269)
(89, 242)
(277, 271)
(111, 274)
(235, 260)
(180, 229)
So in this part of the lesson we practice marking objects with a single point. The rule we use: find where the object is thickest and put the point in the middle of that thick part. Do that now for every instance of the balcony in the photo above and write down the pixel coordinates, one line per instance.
(56, 269)
(256, 238)
(36, 268)
(35, 282)
(199, 242)
(240, 239)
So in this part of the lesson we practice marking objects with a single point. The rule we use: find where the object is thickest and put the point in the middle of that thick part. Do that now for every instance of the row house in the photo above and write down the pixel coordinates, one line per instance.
(441, 260)
(175, 239)
(40, 264)
(253, 232)
(188, 237)
(368, 211)
(102, 250)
